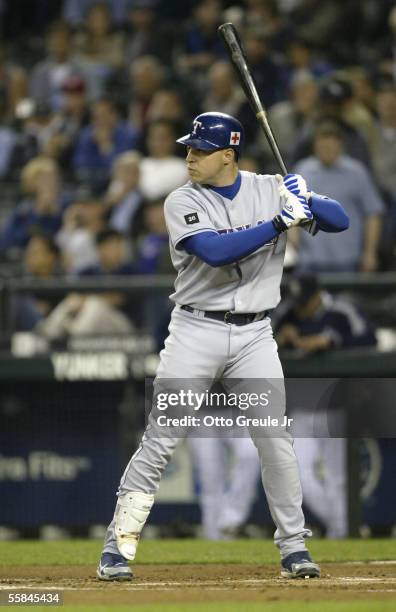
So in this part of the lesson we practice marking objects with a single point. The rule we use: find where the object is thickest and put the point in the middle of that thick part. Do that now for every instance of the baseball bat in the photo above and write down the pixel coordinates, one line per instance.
(233, 44)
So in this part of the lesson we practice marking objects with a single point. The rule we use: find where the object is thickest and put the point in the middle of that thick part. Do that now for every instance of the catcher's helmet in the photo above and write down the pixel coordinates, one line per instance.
(212, 131)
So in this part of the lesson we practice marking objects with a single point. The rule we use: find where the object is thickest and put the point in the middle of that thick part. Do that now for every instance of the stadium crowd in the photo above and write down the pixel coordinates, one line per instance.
(94, 94)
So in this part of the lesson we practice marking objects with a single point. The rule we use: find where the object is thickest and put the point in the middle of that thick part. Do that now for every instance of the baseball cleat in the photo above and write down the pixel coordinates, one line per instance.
(299, 565)
(113, 567)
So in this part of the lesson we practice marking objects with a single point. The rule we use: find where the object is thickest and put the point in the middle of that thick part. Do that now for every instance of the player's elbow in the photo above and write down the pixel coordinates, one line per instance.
(211, 254)
(213, 260)
(334, 226)
(343, 221)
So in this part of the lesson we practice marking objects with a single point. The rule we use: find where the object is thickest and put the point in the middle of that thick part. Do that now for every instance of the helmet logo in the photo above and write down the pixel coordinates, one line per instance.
(235, 138)
(196, 124)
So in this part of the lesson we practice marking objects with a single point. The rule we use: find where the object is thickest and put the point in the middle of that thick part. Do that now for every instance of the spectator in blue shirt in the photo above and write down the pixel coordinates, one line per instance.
(153, 257)
(201, 43)
(101, 142)
(112, 254)
(42, 260)
(153, 251)
(348, 181)
(339, 104)
(98, 314)
(42, 208)
(123, 199)
(75, 11)
(114, 261)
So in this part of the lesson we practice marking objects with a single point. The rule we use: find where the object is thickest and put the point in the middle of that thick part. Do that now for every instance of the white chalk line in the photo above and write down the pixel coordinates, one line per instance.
(387, 562)
(214, 585)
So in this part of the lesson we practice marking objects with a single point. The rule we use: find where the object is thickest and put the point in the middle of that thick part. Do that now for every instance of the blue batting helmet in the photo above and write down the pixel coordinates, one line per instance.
(214, 131)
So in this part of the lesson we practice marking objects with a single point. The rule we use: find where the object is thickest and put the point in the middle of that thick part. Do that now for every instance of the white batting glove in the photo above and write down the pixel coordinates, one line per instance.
(296, 184)
(295, 208)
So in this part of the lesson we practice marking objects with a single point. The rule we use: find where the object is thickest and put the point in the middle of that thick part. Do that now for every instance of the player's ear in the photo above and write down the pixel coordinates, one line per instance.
(228, 156)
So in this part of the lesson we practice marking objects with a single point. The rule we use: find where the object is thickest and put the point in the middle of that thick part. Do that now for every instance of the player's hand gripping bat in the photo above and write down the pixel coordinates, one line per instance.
(231, 39)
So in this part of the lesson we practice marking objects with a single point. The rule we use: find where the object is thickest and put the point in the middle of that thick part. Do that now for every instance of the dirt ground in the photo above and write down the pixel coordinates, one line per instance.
(197, 583)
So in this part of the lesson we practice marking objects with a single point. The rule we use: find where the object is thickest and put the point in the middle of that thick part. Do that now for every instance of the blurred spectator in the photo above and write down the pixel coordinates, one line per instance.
(356, 113)
(384, 163)
(161, 171)
(41, 209)
(13, 85)
(223, 93)
(300, 56)
(82, 221)
(387, 51)
(81, 314)
(76, 11)
(339, 105)
(291, 119)
(101, 142)
(346, 180)
(114, 259)
(153, 257)
(30, 125)
(316, 22)
(112, 254)
(8, 138)
(48, 76)
(266, 71)
(123, 199)
(167, 104)
(267, 12)
(312, 320)
(147, 35)
(200, 43)
(362, 85)
(63, 130)
(147, 76)
(42, 257)
(41, 260)
(99, 50)
(384, 144)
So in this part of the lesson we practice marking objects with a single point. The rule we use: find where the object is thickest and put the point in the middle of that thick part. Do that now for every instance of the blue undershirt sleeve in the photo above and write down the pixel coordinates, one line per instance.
(328, 214)
(222, 249)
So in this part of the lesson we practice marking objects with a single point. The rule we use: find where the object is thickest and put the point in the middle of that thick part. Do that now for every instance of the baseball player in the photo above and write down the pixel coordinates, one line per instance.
(227, 234)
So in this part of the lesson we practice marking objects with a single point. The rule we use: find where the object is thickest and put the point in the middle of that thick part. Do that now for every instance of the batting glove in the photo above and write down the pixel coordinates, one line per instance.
(295, 208)
(296, 184)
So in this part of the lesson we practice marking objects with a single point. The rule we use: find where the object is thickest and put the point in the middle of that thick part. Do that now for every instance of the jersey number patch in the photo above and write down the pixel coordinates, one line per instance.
(191, 218)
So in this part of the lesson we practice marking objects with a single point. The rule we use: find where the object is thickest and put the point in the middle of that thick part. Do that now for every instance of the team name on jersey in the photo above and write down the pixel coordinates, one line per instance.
(239, 228)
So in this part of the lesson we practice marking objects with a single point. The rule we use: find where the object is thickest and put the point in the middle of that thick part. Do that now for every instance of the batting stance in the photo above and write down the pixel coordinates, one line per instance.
(227, 231)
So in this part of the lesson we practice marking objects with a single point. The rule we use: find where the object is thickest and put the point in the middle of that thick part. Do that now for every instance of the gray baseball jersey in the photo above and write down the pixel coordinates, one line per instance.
(250, 285)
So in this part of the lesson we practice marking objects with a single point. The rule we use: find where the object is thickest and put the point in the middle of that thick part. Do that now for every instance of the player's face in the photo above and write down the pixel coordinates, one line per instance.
(207, 166)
